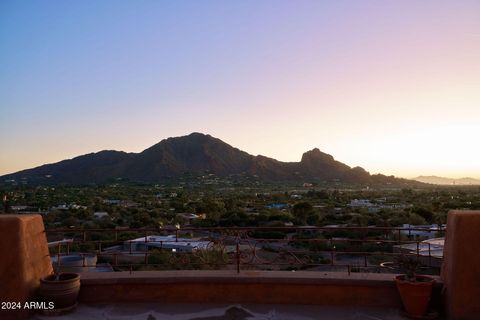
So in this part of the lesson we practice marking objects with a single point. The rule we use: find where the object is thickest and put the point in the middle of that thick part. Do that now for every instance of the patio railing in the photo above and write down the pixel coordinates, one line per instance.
(351, 249)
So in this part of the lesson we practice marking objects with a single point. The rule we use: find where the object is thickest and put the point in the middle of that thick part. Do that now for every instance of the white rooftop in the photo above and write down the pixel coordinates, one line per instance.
(172, 240)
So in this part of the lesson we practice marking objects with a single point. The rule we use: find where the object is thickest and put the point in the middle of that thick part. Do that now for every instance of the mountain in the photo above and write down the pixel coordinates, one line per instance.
(447, 181)
(196, 154)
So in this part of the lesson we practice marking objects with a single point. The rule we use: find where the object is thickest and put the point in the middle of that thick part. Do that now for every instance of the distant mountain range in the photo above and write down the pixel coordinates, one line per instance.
(196, 153)
(447, 181)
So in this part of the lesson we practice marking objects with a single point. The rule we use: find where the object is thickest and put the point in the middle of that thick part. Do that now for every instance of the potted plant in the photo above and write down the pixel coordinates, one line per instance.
(415, 290)
(60, 288)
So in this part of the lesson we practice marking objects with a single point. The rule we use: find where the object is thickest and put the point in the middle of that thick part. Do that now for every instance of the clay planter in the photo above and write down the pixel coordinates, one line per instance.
(63, 292)
(415, 295)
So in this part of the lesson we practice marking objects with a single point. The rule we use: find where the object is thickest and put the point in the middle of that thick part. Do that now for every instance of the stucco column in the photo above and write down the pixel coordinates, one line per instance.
(25, 259)
(461, 265)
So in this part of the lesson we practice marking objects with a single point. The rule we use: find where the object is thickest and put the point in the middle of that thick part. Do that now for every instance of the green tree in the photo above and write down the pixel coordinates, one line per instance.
(424, 213)
(302, 210)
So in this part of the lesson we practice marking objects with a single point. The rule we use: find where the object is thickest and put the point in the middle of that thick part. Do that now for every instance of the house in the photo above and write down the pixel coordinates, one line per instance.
(362, 203)
(100, 214)
(430, 252)
(112, 201)
(190, 217)
(428, 231)
(170, 242)
(277, 206)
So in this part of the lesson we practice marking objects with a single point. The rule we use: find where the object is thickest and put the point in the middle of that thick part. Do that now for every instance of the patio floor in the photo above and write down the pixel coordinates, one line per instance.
(149, 311)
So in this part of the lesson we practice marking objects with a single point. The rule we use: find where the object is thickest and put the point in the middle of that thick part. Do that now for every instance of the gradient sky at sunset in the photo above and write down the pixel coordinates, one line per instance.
(392, 86)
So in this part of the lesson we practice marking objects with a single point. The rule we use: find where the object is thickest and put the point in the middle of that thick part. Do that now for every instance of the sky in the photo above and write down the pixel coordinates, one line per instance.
(391, 86)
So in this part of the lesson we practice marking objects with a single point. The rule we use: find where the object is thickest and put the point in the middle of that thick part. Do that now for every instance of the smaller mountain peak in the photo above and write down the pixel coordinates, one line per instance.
(359, 169)
(194, 136)
(316, 154)
(198, 134)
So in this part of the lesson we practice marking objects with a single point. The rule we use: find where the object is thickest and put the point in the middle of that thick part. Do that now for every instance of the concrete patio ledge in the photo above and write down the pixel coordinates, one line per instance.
(298, 277)
(260, 287)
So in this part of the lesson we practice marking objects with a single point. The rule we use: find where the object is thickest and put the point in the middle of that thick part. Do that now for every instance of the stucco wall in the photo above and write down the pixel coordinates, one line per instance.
(461, 265)
(263, 287)
(25, 259)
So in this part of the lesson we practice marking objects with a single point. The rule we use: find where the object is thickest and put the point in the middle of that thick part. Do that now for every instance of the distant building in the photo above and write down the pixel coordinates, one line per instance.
(111, 201)
(375, 207)
(65, 207)
(19, 208)
(428, 231)
(100, 214)
(190, 217)
(430, 252)
(128, 204)
(362, 203)
(169, 242)
(277, 206)
(61, 207)
(123, 203)
(76, 206)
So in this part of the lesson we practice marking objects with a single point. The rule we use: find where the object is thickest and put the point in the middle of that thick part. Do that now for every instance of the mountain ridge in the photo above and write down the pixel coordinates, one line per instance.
(447, 181)
(195, 153)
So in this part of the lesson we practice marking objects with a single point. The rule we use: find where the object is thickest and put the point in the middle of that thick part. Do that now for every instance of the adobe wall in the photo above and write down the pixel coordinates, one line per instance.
(25, 259)
(461, 265)
(260, 287)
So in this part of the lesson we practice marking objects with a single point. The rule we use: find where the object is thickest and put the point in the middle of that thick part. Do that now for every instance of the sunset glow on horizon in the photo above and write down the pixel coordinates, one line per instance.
(393, 87)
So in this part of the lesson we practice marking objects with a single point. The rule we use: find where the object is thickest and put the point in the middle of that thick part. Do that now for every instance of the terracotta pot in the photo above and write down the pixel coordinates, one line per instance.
(63, 292)
(415, 295)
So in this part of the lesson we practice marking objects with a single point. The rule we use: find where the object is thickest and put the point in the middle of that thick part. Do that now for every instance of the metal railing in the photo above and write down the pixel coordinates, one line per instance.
(352, 249)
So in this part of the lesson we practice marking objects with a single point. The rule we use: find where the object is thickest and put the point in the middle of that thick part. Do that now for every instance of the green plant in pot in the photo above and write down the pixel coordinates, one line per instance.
(415, 290)
(60, 288)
